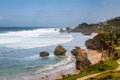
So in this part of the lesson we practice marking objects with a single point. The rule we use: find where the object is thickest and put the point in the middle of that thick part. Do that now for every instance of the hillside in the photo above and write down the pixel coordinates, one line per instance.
(105, 26)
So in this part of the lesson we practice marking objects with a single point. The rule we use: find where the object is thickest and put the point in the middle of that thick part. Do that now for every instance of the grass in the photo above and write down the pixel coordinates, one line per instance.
(111, 75)
(100, 67)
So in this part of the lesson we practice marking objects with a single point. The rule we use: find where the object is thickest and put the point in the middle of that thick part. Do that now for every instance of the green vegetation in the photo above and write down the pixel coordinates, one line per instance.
(96, 27)
(104, 66)
(111, 75)
(114, 22)
(109, 37)
(111, 40)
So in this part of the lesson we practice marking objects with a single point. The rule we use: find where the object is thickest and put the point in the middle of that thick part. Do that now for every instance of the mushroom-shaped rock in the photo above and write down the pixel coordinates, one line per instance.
(44, 54)
(59, 50)
(82, 60)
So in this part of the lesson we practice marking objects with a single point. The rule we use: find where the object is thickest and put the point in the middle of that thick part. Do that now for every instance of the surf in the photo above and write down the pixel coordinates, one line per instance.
(27, 39)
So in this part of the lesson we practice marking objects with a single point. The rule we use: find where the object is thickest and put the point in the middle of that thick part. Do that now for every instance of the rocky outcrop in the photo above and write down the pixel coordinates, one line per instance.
(95, 44)
(105, 26)
(61, 30)
(43, 54)
(68, 30)
(86, 29)
(82, 61)
(59, 50)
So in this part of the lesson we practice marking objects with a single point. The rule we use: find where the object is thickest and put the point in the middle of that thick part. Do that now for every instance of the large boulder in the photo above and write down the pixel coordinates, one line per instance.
(82, 61)
(44, 54)
(59, 50)
(96, 43)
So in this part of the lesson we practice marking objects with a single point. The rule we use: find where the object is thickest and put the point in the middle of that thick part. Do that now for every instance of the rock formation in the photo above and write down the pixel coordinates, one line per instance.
(68, 30)
(61, 30)
(43, 54)
(59, 50)
(82, 61)
(95, 43)
(86, 29)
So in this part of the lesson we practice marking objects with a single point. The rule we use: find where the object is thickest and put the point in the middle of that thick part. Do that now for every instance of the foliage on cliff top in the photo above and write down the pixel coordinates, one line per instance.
(86, 28)
(106, 65)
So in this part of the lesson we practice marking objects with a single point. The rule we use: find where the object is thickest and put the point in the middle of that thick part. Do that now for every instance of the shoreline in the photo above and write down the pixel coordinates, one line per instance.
(32, 76)
(47, 75)
(51, 76)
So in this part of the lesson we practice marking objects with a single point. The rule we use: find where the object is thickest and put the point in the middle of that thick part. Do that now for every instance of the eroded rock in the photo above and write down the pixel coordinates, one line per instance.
(60, 50)
(44, 54)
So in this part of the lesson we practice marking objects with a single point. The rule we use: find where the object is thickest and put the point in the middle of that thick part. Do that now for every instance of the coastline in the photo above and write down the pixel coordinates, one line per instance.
(51, 76)
(45, 75)
(54, 75)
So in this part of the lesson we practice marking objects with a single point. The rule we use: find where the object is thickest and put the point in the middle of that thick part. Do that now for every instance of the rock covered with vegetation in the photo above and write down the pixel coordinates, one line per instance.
(105, 26)
(105, 41)
(85, 28)
(95, 43)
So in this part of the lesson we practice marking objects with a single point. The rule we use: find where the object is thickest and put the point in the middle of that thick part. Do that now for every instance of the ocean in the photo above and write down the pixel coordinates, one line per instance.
(20, 47)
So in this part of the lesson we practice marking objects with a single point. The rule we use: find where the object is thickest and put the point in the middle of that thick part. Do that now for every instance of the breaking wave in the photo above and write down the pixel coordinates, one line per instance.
(27, 39)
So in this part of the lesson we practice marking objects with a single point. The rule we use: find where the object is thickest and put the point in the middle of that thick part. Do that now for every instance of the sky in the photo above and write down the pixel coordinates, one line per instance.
(51, 13)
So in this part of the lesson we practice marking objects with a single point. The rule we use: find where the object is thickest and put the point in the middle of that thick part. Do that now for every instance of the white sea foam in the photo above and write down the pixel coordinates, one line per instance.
(32, 57)
(33, 38)
(61, 63)
(28, 33)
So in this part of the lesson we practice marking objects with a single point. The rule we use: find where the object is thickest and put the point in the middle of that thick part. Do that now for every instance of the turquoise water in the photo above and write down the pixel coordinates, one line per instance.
(19, 50)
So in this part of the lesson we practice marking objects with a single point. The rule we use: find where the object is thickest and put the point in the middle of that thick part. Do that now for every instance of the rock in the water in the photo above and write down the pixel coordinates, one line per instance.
(44, 54)
(61, 30)
(59, 50)
(82, 60)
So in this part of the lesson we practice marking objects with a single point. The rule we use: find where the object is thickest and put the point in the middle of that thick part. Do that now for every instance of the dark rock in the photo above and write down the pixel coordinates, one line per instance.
(68, 30)
(74, 52)
(61, 30)
(43, 54)
(86, 29)
(78, 50)
(95, 43)
(59, 50)
(82, 61)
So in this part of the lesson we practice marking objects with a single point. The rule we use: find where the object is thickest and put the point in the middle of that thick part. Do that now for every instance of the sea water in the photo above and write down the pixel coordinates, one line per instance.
(20, 47)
